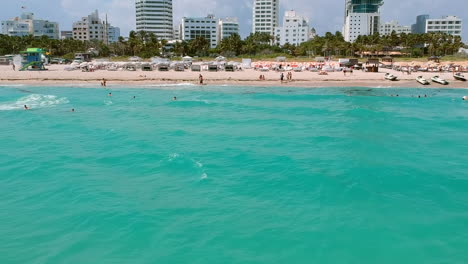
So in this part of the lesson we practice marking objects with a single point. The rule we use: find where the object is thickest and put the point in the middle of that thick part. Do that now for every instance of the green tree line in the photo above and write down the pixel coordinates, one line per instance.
(146, 45)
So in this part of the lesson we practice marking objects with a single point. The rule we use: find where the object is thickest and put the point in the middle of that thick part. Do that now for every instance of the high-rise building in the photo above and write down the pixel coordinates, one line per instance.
(362, 17)
(26, 25)
(451, 25)
(420, 26)
(389, 27)
(228, 27)
(114, 34)
(155, 16)
(295, 29)
(206, 27)
(212, 29)
(92, 27)
(265, 16)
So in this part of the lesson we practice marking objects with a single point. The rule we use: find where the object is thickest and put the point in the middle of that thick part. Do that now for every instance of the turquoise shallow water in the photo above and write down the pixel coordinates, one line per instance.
(233, 175)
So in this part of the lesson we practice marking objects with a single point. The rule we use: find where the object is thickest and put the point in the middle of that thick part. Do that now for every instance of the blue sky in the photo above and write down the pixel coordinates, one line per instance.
(324, 15)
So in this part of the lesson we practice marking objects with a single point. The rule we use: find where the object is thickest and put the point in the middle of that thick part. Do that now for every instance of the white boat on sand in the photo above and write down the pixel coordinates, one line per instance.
(422, 81)
(439, 80)
(391, 77)
(460, 77)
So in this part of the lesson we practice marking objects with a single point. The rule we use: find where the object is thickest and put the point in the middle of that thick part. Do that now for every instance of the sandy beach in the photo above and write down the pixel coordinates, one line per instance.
(57, 75)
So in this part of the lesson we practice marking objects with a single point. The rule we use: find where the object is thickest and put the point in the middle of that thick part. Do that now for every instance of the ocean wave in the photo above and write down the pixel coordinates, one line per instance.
(34, 101)
(182, 162)
(169, 85)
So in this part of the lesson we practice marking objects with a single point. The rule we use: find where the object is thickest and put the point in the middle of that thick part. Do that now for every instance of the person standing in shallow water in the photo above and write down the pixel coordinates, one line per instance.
(282, 77)
(200, 78)
(103, 82)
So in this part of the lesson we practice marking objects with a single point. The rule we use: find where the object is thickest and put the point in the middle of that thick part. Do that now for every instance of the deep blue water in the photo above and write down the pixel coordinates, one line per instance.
(233, 175)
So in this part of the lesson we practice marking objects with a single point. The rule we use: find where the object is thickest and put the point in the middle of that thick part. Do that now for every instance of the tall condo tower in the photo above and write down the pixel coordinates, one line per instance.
(362, 17)
(265, 16)
(155, 16)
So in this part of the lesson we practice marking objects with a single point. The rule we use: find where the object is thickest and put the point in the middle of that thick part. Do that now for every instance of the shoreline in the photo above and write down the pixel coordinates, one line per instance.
(146, 83)
(57, 76)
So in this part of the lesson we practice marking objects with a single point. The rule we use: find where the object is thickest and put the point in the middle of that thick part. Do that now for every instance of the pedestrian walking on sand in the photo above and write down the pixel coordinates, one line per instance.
(282, 77)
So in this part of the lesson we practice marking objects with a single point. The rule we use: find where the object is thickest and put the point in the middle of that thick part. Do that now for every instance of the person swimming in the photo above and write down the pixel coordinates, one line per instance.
(175, 98)
(465, 98)
(26, 107)
(110, 94)
(73, 110)
(134, 97)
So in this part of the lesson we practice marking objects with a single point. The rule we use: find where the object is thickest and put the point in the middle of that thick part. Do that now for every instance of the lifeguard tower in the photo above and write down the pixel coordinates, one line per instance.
(34, 59)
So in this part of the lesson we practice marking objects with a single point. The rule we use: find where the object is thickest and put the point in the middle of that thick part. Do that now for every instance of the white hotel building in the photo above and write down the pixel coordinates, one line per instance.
(362, 17)
(26, 25)
(227, 27)
(209, 27)
(206, 27)
(451, 25)
(389, 27)
(265, 16)
(295, 29)
(92, 27)
(155, 16)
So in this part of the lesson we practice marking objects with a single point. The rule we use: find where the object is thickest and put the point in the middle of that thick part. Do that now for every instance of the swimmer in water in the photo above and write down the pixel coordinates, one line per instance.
(465, 98)
(110, 94)
(73, 110)
(175, 98)
(134, 97)
(26, 107)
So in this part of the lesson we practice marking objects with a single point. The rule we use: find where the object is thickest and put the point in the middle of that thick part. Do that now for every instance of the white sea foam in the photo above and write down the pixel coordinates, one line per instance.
(204, 176)
(173, 156)
(12, 85)
(169, 85)
(34, 101)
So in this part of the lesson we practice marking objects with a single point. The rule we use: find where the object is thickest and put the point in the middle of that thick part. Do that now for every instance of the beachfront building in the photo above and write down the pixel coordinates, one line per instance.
(68, 34)
(295, 29)
(227, 27)
(206, 27)
(177, 31)
(265, 16)
(362, 17)
(26, 25)
(389, 27)
(155, 16)
(451, 25)
(114, 34)
(420, 26)
(92, 27)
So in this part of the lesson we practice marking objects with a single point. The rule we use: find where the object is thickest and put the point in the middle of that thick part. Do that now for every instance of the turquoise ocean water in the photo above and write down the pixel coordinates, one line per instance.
(233, 175)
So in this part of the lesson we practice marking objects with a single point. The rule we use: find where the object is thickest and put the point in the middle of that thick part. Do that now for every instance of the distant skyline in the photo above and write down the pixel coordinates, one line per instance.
(323, 15)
